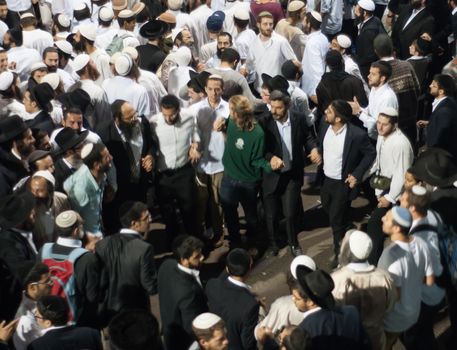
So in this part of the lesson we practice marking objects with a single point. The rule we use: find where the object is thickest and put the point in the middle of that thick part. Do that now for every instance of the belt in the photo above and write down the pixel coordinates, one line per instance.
(171, 172)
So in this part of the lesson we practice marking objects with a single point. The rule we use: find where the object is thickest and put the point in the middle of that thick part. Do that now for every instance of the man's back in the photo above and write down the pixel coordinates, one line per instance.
(68, 338)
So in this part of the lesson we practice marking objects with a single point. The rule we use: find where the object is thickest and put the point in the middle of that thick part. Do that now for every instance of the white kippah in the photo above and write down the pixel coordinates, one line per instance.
(63, 20)
(402, 216)
(126, 14)
(88, 31)
(419, 190)
(131, 51)
(301, 260)
(106, 14)
(175, 32)
(80, 62)
(38, 65)
(344, 41)
(45, 174)
(241, 13)
(389, 111)
(367, 5)
(123, 64)
(317, 16)
(6, 79)
(66, 218)
(360, 244)
(113, 58)
(215, 76)
(79, 7)
(65, 46)
(52, 79)
(205, 320)
(86, 150)
(27, 15)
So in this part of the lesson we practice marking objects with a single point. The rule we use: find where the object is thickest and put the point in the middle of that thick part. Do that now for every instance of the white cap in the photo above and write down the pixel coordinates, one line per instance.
(86, 150)
(241, 13)
(175, 32)
(63, 20)
(6, 79)
(52, 79)
(205, 320)
(175, 4)
(66, 218)
(88, 31)
(27, 15)
(80, 62)
(37, 65)
(182, 56)
(367, 5)
(295, 5)
(65, 46)
(301, 260)
(419, 190)
(402, 216)
(106, 14)
(316, 15)
(131, 51)
(126, 14)
(389, 111)
(360, 244)
(344, 41)
(47, 175)
(113, 58)
(80, 6)
(123, 64)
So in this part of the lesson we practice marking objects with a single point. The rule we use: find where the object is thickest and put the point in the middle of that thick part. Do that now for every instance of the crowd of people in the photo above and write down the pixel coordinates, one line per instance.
(114, 110)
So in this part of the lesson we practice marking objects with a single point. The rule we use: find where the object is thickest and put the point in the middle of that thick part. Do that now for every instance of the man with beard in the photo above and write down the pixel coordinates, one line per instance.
(270, 50)
(49, 204)
(11, 18)
(51, 60)
(16, 144)
(88, 74)
(413, 21)
(84, 43)
(61, 27)
(369, 27)
(129, 140)
(86, 186)
(224, 41)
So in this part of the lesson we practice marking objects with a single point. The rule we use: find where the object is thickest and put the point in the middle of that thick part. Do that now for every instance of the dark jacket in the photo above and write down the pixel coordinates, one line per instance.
(442, 129)
(365, 54)
(151, 57)
(239, 309)
(129, 272)
(301, 138)
(61, 173)
(402, 36)
(181, 299)
(68, 338)
(42, 121)
(11, 171)
(358, 154)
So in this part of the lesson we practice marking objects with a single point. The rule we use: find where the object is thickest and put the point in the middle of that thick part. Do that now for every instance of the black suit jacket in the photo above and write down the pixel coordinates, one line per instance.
(358, 154)
(42, 121)
(239, 309)
(423, 22)
(61, 173)
(273, 147)
(442, 129)
(68, 338)
(181, 299)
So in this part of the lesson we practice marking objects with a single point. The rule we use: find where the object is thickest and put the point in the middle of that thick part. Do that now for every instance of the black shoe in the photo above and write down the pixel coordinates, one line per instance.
(296, 250)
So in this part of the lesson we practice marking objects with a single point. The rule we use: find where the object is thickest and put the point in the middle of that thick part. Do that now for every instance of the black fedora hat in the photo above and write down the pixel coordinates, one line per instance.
(266, 79)
(435, 167)
(278, 82)
(153, 29)
(67, 138)
(317, 285)
(15, 209)
(43, 94)
(11, 127)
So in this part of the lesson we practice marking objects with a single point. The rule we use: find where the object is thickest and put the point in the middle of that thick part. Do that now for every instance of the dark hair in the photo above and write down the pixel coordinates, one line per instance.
(170, 101)
(226, 34)
(54, 309)
(240, 22)
(34, 275)
(392, 119)
(314, 23)
(49, 50)
(131, 211)
(385, 69)
(231, 88)
(134, 330)
(122, 21)
(3, 3)
(143, 16)
(38, 135)
(116, 108)
(238, 262)
(277, 95)
(72, 110)
(194, 85)
(12, 91)
(28, 21)
(95, 156)
(264, 14)
(16, 36)
(446, 83)
(383, 46)
(82, 14)
(298, 339)
(58, 25)
(420, 203)
(230, 55)
(342, 110)
(184, 246)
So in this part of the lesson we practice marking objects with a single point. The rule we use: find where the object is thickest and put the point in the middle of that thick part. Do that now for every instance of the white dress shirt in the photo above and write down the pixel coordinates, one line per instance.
(199, 16)
(96, 93)
(333, 152)
(19, 5)
(66, 79)
(436, 102)
(103, 40)
(238, 283)
(101, 60)
(285, 131)
(24, 58)
(37, 39)
(313, 63)
(155, 89)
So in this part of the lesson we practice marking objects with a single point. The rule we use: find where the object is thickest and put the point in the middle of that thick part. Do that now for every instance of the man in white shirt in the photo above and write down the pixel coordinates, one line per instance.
(381, 96)
(407, 259)
(332, 16)
(88, 73)
(51, 60)
(200, 16)
(34, 38)
(313, 62)
(106, 29)
(176, 138)
(269, 50)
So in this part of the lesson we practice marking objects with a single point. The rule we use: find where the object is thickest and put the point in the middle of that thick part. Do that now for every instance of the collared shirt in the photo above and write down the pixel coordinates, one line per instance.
(28, 235)
(136, 144)
(69, 242)
(155, 90)
(285, 131)
(313, 61)
(193, 272)
(127, 231)
(436, 102)
(312, 311)
(333, 152)
(27, 329)
(37, 39)
(413, 14)
(174, 140)
(238, 283)
(212, 142)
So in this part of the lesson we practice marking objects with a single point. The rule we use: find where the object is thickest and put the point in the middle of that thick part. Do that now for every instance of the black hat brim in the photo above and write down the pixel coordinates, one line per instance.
(24, 207)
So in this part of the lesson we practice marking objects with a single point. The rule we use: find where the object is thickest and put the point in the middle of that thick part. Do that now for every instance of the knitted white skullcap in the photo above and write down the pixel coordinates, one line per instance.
(88, 31)
(419, 190)
(316, 15)
(205, 320)
(79, 7)
(63, 20)
(175, 4)
(295, 5)
(52, 79)
(301, 260)
(360, 244)
(114, 57)
(123, 64)
(46, 174)
(86, 150)
(215, 76)
(344, 41)
(175, 32)
(66, 219)
(402, 216)
(241, 13)
(182, 56)
(389, 111)
(367, 5)
(27, 15)
(131, 51)
(64, 46)
(80, 62)
(37, 65)
(126, 14)
(106, 14)
(6, 79)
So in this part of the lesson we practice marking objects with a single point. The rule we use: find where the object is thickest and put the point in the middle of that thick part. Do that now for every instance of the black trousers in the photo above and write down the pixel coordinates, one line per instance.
(177, 188)
(374, 230)
(287, 195)
(336, 203)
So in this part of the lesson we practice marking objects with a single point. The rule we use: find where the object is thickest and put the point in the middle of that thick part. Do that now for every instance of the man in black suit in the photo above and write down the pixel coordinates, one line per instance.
(37, 102)
(181, 295)
(442, 125)
(230, 298)
(128, 139)
(347, 154)
(285, 136)
(413, 20)
(52, 315)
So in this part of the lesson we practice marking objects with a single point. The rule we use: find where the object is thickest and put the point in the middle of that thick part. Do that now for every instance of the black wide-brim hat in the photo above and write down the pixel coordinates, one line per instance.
(153, 29)
(15, 209)
(436, 167)
(43, 93)
(317, 285)
(67, 138)
(10, 127)
(278, 82)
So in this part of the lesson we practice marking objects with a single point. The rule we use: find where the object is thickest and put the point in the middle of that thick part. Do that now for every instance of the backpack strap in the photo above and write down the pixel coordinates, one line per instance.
(424, 227)
(46, 253)
(76, 254)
